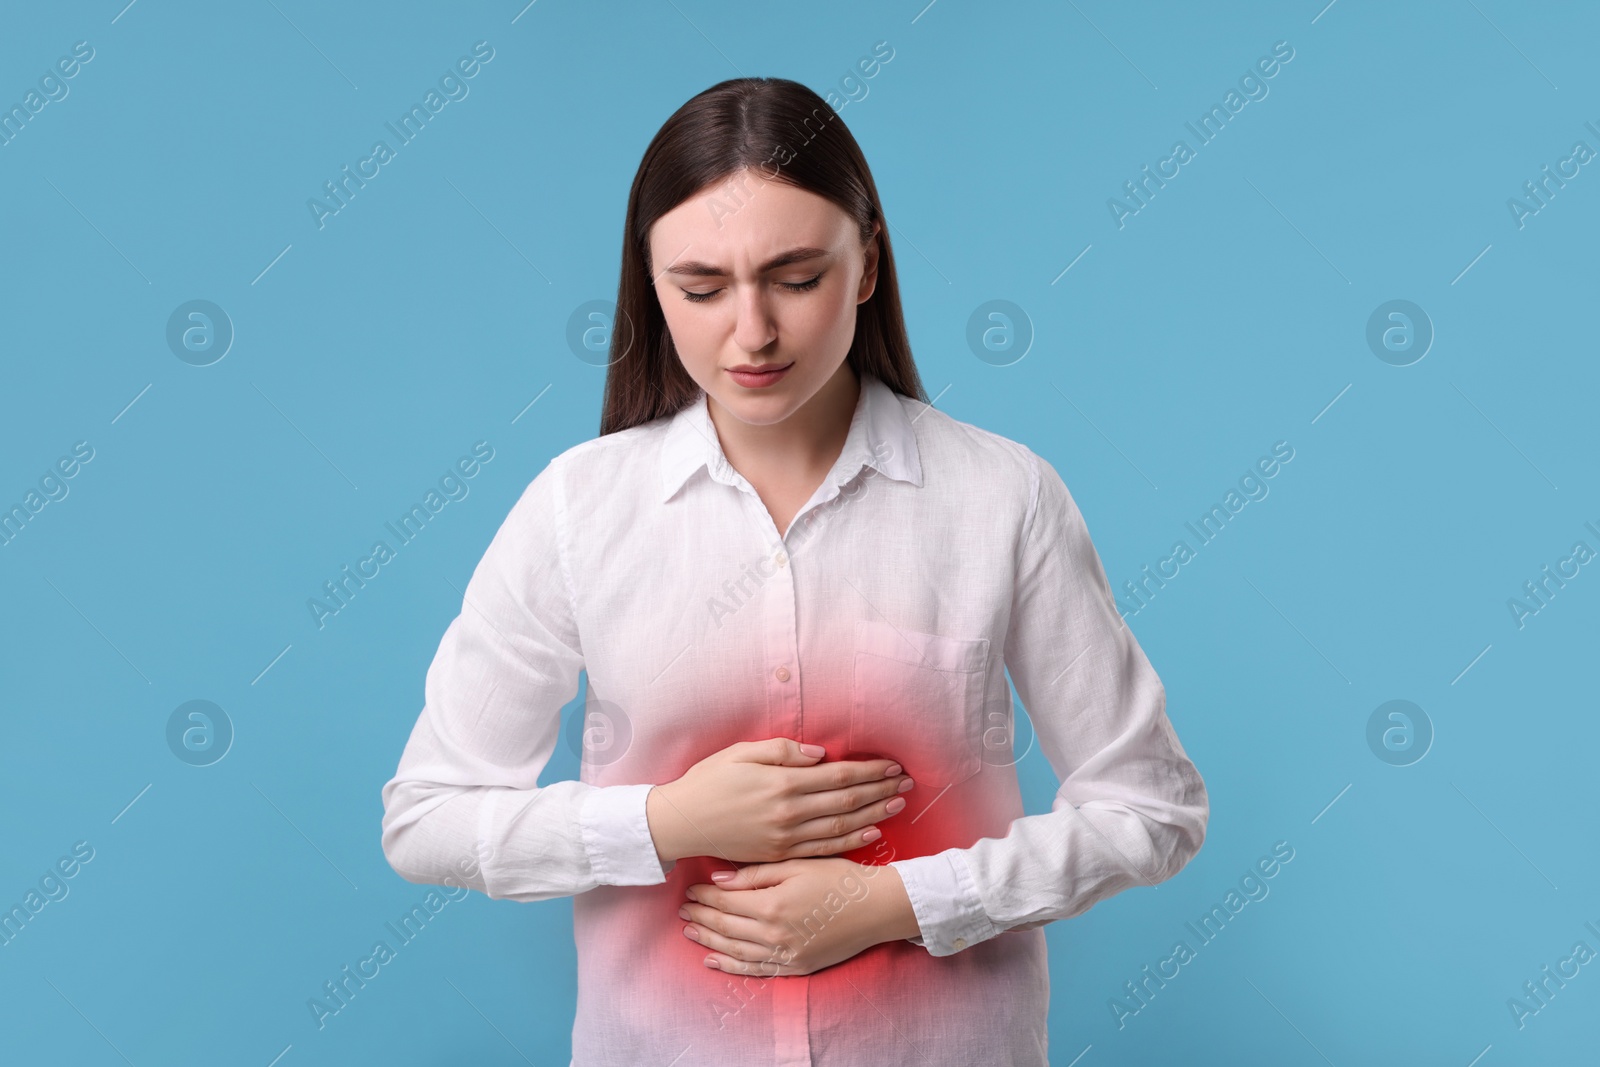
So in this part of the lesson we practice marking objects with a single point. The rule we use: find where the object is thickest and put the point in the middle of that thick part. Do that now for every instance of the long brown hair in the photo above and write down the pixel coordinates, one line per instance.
(790, 134)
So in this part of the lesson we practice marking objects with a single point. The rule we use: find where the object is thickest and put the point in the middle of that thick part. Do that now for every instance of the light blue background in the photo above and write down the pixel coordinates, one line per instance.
(1225, 316)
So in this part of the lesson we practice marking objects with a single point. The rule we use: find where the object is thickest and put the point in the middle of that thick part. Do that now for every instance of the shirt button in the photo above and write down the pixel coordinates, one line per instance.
(780, 559)
(782, 674)
(960, 943)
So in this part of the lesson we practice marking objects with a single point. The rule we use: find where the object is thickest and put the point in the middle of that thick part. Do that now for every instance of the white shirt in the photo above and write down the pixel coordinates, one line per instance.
(933, 558)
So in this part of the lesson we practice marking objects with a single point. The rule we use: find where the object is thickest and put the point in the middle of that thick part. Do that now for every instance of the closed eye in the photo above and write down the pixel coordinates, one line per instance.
(793, 287)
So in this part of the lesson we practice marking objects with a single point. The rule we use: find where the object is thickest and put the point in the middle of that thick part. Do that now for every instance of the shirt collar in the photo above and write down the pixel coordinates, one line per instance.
(880, 437)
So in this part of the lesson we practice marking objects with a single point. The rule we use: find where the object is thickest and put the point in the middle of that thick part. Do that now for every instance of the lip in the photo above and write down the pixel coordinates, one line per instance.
(757, 378)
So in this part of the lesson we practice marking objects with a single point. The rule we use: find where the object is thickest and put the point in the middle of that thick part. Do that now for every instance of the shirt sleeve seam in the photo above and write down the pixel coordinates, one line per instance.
(963, 917)
(1029, 523)
(614, 821)
(488, 803)
(558, 472)
(978, 921)
(1035, 481)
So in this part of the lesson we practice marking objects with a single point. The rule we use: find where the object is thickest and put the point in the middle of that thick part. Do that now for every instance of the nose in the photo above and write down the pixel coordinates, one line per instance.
(754, 328)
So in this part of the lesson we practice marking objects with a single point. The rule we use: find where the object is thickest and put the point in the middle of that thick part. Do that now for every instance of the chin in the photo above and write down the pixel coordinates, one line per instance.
(758, 410)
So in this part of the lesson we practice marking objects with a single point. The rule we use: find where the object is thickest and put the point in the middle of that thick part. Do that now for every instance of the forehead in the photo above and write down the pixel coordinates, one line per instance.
(742, 220)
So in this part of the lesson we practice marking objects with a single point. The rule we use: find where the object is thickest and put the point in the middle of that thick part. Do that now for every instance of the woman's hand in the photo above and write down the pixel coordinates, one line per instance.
(767, 801)
(798, 916)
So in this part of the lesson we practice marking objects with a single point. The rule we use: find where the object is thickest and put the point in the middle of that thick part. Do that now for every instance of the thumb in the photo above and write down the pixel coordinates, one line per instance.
(753, 876)
(786, 752)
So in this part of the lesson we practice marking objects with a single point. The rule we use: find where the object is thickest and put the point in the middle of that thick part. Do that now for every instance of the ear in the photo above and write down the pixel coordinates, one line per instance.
(869, 274)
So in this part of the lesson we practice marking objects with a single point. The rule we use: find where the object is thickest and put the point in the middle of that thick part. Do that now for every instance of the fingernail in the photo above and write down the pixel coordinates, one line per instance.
(894, 769)
(688, 931)
(710, 961)
(895, 805)
(905, 786)
(683, 913)
(872, 834)
(812, 750)
(721, 876)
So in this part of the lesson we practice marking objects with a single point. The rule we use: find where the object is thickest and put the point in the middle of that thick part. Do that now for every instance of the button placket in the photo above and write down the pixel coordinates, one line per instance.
(783, 652)
(780, 631)
(780, 623)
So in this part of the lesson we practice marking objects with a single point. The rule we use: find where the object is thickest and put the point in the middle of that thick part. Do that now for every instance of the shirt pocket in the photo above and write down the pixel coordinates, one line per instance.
(917, 698)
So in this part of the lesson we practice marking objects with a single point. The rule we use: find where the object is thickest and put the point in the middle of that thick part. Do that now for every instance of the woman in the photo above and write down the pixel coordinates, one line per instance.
(796, 588)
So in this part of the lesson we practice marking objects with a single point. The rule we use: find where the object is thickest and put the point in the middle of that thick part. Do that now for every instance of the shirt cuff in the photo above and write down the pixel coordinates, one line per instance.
(946, 902)
(616, 835)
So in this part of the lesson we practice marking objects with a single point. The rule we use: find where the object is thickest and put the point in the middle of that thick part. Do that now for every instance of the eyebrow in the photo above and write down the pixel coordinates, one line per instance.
(697, 268)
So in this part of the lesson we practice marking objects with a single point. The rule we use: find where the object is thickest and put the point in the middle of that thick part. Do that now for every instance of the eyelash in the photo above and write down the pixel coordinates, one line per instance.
(793, 287)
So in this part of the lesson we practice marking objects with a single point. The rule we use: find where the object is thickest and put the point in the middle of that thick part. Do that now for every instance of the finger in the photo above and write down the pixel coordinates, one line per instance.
(820, 847)
(841, 774)
(842, 833)
(855, 798)
(765, 969)
(750, 876)
(703, 919)
(734, 902)
(744, 952)
(779, 751)
(846, 823)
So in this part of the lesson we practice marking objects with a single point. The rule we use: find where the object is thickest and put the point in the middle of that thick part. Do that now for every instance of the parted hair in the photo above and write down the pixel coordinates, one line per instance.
(784, 132)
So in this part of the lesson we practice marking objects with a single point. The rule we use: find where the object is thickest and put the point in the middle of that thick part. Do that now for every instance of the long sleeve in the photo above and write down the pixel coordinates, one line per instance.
(465, 807)
(1131, 808)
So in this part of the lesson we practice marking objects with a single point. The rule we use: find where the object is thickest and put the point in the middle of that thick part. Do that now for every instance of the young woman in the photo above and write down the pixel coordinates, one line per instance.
(797, 589)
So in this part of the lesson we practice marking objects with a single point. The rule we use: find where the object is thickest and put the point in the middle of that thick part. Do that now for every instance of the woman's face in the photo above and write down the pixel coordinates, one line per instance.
(763, 274)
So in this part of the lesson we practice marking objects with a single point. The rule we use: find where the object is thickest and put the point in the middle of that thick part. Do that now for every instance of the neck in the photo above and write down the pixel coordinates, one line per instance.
(810, 439)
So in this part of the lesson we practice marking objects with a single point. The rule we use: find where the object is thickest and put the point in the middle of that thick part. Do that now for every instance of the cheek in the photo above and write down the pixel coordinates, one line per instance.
(825, 317)
(841, 315)
(690, 332)
(679, 324)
